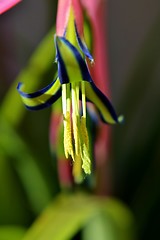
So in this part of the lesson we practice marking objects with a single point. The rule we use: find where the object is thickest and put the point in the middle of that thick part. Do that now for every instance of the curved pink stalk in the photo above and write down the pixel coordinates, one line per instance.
(96, 11)
(7, 4)
(65, 173)
(63, 12)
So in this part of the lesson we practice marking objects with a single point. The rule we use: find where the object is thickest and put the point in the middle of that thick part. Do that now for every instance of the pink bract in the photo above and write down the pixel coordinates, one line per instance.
(64, 8)
(7, 4)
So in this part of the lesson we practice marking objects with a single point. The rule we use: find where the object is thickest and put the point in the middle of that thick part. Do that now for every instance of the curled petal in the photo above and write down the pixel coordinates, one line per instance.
(42, 98)
(102, 103)
(71, 65)
(83, 45)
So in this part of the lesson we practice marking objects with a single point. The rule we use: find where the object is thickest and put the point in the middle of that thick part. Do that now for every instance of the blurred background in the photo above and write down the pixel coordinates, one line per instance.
(28, 183)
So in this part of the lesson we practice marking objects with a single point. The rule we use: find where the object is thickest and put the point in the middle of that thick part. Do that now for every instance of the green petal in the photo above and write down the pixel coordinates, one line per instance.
(42, 98)
(71, 66)
(105, 109)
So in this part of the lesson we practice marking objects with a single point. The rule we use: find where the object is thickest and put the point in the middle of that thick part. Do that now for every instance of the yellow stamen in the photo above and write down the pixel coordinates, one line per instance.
(75, 117)
(77, 128)
(84, 135)
(83, 99)
(68, 145)
(85, 147)
(64, 99)
(77, 169)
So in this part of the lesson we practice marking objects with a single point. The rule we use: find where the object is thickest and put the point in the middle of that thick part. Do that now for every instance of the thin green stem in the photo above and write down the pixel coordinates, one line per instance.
(68, 103)
(83, 99)
(64, 99)
(75, 98)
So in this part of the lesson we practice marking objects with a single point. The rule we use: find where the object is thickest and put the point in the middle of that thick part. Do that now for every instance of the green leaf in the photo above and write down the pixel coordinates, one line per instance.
(34, 184)
(11, 232)
(70, 213)
(12, 108)
(113, 222)
(121, 218)
(99, 227)
(13, 206)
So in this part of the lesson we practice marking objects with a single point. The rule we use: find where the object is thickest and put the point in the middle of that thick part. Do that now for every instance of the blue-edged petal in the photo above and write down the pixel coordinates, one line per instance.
(83, 46)
(103, 105)
(71, 66)
(42, 98)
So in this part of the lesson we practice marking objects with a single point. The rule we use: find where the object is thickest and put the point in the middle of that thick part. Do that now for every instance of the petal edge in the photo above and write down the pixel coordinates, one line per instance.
(42, 98)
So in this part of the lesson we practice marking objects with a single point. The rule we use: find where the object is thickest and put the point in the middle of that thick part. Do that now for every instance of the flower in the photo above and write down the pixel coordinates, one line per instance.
(75, 86)
(7, 4)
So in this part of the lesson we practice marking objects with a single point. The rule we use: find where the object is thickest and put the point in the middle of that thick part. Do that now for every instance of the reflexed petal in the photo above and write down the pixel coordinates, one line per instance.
(102, 103)
(71, 65)
(83, 46)
(42, 98)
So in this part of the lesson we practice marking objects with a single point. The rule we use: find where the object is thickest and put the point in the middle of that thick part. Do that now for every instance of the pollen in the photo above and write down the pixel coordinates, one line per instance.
(68, 145)
(86, 162)
(77, 169)
(84, 132)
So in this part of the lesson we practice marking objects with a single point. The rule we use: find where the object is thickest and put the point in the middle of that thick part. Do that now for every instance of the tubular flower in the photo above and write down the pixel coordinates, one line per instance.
(75, 87)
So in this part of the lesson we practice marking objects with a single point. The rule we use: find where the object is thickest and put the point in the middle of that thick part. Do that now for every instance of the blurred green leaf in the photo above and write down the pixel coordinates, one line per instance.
(99, 227)
(13, 206)
(28, 171)
(11, 232)
(12, 111)
(121, 218)
(70, 213)
(113, 222)
(12, 108)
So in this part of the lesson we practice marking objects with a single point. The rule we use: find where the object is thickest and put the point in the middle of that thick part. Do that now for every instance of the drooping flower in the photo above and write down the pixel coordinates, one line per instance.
(74, 85)
(7, 4)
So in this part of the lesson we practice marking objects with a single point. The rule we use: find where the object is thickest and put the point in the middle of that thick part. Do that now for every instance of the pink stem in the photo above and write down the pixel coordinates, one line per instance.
(63, 12)
(96, 11)
(7, 4)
